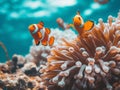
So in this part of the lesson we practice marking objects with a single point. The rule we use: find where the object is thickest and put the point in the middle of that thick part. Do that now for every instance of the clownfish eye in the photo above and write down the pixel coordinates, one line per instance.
(33, 26)
(79, 18)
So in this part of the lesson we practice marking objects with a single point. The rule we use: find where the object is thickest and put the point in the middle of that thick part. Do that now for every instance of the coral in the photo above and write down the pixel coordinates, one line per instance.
(17, 74)
(20, 81)
(39, 53)
(87, 63)
(23, 73)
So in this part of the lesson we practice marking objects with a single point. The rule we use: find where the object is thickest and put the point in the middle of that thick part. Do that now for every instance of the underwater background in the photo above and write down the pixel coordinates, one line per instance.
(17, 15)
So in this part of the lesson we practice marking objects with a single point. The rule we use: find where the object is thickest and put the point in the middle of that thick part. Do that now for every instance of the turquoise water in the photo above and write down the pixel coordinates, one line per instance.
(16, 15)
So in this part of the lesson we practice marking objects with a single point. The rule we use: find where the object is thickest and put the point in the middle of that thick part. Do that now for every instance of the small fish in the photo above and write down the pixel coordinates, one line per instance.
(79, 24)
(62, 24)
(41, 34)
(102, 1)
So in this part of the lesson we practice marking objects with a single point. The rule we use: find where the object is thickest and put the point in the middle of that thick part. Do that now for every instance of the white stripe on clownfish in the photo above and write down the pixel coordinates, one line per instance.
(43, 33)
(36, 29)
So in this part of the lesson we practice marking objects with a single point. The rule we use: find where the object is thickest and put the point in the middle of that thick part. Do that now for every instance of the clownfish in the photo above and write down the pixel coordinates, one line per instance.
(80, 26)
(41, 34)
(62, 24)
(102, 1)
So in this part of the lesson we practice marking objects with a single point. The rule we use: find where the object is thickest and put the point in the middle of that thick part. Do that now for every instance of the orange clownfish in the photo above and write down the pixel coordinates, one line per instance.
(80, 26)
(41, 34)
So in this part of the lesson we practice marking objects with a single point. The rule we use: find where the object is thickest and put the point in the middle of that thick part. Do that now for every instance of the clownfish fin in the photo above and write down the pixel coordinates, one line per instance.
(88, 25)
(37, 42)
(39, 35)
(47, 30)
(44, 42)
(51, 40)
(41, 23)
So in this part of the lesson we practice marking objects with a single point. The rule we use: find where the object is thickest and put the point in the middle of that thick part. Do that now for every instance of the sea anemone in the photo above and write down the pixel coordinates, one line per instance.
(87, 63)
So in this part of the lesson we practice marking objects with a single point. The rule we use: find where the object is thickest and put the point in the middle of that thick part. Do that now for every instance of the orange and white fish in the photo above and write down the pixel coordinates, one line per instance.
(62, 24)
(80, 26)
(41, 34)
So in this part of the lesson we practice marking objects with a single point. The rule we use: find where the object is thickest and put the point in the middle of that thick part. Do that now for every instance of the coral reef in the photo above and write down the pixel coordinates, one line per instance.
(23, 73)
(87, 63)
(16, 74)
(39, 53)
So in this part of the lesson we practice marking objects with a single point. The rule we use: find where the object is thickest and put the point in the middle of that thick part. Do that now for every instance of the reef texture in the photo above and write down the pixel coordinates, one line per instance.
(38, 54)
(23, 73)
(90, 62)
(16, 74)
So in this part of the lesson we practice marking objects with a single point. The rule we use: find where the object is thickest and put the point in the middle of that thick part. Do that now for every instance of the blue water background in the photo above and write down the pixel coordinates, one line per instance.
(17, 15)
